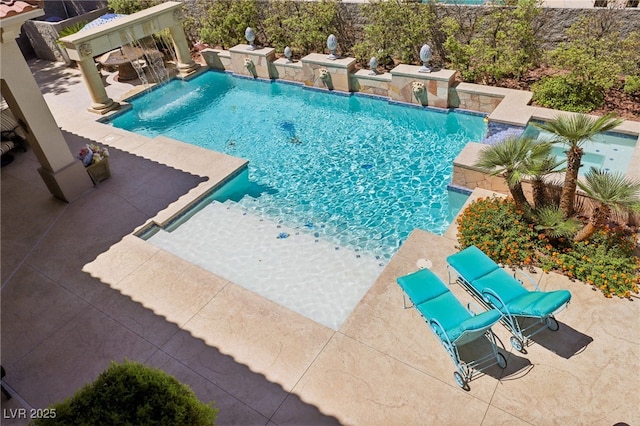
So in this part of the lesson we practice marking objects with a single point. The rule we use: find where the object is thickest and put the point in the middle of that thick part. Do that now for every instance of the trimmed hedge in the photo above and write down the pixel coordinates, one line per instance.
(132, 394)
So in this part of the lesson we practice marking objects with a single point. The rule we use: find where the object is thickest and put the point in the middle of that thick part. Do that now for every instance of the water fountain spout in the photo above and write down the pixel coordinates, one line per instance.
(250, 66)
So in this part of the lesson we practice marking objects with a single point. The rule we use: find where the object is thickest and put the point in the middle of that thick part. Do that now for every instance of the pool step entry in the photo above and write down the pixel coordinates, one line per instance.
(288, 266)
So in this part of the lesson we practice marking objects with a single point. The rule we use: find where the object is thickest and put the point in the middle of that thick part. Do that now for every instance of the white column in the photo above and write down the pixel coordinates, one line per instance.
(186, 65)
(102, 103)
(65, 177)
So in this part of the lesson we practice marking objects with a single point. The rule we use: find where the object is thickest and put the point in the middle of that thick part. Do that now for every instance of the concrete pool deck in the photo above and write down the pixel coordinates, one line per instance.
(79, 290)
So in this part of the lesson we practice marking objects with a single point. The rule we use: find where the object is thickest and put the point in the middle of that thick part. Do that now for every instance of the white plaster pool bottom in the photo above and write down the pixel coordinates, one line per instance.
(305, 274)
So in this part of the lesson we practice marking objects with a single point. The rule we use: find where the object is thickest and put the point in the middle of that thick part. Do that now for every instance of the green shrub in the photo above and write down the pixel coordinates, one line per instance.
(498, 228)
(71, 29)
(303, 26)
(632, 84)
(127, 7)
(132, 394)
(567, 94)
(607, 261)
(227, 20)
(502, 43)
(395, 29)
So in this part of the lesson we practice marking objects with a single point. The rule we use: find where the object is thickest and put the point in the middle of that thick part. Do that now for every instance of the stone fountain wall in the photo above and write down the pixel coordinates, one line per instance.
(504, 108)
(403, 84)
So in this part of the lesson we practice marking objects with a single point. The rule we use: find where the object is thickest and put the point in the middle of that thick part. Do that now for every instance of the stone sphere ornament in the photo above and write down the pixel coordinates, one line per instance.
(250, 35)
(287, 54)
(332, 45)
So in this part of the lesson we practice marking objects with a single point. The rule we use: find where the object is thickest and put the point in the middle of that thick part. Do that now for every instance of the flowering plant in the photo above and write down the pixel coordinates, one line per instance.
(92, 153)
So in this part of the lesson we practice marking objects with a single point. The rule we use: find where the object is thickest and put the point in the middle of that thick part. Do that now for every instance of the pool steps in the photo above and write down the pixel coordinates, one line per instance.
(291, 267)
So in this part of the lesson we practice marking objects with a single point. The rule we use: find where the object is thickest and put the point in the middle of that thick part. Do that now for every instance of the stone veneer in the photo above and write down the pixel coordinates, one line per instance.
(365, 82)
(436, 86)
(338, 71)
(290, 71)
(260, 59)
(467, 176)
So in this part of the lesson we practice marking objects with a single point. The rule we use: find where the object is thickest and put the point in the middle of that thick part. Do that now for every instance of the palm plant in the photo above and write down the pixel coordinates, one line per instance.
(610, 191)
(574, 131)
(539, 165)
(552, 222)
(510, 159)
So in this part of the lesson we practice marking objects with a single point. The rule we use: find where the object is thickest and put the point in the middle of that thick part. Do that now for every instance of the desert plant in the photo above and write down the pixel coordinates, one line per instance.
(610, 191)
(512, 159)
(71, 29)
(574, 131)
(538, 166)
(552, 223)
(132, 394)
(594, 57)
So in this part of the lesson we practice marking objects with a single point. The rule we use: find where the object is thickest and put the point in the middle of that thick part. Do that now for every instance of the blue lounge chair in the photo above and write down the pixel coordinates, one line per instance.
(496, 288)
(452, 324)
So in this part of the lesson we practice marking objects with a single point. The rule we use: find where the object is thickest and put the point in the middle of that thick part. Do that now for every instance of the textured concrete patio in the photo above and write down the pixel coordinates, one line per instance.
(80, 290)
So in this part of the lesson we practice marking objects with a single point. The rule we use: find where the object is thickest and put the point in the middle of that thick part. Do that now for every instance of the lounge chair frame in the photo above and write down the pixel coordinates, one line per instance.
(521, 334)
(465, 371)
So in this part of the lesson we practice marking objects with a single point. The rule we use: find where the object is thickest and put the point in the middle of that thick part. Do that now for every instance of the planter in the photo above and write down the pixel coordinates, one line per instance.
(99, 171)
(43, 35)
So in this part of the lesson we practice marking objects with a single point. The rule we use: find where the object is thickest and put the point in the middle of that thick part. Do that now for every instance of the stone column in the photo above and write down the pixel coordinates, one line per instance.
(102, 103)
(65, 177)
(186, 65)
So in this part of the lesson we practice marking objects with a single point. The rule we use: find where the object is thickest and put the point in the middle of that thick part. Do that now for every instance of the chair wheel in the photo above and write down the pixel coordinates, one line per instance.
(552, 323)
(501, 360)
(460, 380)
(516, 343)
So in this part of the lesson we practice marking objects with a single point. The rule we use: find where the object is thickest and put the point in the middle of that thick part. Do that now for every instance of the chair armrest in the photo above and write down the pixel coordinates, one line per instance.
(527, 276)
(439, 330)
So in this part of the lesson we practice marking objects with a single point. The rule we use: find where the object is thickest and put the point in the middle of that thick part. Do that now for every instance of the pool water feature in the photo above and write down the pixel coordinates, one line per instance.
(611, 152)
(357, 171)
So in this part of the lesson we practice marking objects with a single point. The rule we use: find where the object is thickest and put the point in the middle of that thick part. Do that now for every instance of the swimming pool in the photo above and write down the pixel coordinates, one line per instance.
(608, 151)
(357, 171)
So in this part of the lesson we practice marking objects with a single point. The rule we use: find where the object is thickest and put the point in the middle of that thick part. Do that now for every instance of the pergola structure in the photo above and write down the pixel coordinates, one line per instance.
(84, 45)
(65, 176)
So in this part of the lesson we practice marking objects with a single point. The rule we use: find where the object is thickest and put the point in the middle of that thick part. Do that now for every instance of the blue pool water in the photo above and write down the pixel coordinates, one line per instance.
(359, 171)
(609, 151)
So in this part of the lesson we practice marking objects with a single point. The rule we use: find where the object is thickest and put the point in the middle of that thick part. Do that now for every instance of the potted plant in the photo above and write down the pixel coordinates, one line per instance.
(96, 159)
